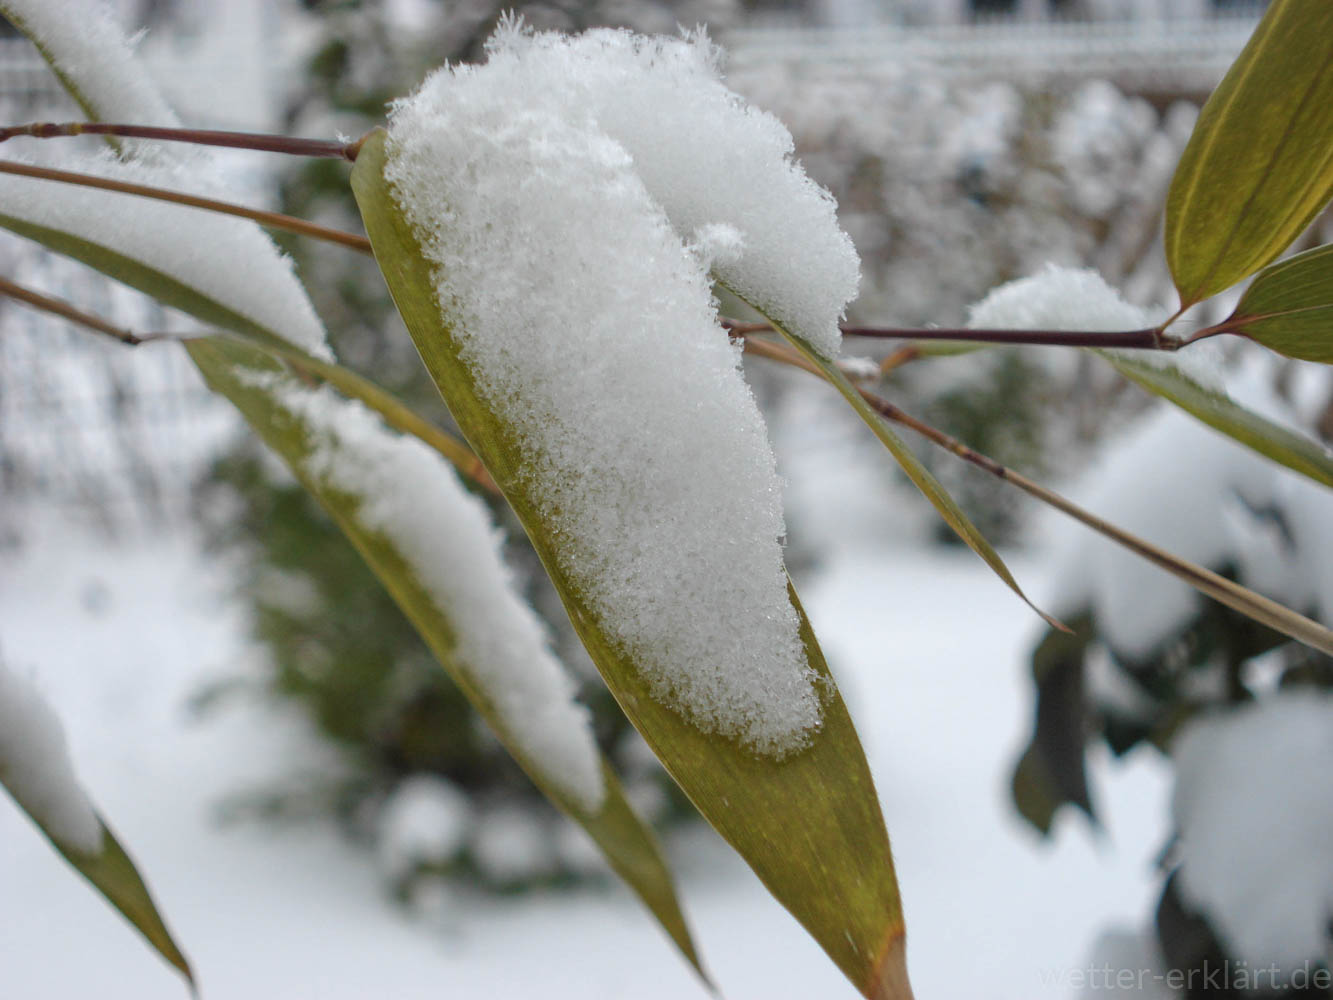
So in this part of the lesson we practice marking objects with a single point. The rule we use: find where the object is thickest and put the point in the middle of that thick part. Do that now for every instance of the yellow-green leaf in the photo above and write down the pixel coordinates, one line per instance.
(921, 477)
(1220, 412)
(112, 873)
(108, 868)
(1259, 165)
(230, 368)
(808, 824)
(1289, 307)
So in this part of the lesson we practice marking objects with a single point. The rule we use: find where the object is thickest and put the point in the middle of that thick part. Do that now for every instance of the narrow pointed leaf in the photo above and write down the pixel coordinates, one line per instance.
(1220, 412)
(36, 771)
(1259, 165)
(921, 477)
(1289, 307)
(230, 368)
(809, 824)
(123, 265)
(112, 873)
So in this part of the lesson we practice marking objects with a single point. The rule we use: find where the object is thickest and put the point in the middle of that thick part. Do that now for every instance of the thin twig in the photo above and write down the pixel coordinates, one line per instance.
(61, 308)
(202, 137)
(1234, 596)
(270, 220)
(1152, 339)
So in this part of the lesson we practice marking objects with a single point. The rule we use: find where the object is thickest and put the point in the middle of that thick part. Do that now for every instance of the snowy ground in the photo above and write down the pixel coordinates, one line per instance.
(929, 650)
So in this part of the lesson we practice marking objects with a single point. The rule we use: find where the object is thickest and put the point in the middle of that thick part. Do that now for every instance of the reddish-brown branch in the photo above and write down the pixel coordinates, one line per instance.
(61, 308)
(200, 137)
(270, 220)
(1152, 339)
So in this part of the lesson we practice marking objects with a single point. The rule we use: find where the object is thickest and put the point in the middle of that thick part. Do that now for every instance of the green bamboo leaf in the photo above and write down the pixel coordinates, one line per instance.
(930, 487)
(112, 873)
(808, 824)
(1220, 412)
(1289, 307)
(1259, 165)
(36, 771)
(231, 368)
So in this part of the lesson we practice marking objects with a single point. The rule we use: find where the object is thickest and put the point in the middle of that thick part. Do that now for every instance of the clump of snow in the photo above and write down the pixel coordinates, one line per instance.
(1070, 298)
(90, 49)
(704, 155)
(537, 185)
(411, 495)
(35, 766)
(184, 243)
(426, 821)
(1253, 804)
(1057, 298)
(510, 844)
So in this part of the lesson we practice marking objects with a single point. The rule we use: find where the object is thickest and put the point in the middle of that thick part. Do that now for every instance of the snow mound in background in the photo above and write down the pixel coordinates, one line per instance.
(1254, 806)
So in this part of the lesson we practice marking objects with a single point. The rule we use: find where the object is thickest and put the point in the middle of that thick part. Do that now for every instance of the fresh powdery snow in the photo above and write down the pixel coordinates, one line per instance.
(704, 155)
(91, 51)
(35, 766)
(542, 186)
(412, 495)
(1254, 806)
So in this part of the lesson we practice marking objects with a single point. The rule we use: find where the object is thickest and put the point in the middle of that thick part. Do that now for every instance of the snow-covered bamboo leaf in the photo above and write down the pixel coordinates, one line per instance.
(1219, 411)
(1259, 165)
(1289, 307)
(93, 59)
(170, 252)
(757, 735)
(36, 770)
(434, 549)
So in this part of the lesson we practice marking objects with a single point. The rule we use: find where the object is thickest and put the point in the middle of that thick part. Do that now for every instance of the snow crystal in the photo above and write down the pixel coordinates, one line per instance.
(1254, 805)
(90, 50)
(703, 154)
(227, 259)
(35, 767)
(591, 329)
(413, 496)
(425, 821)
